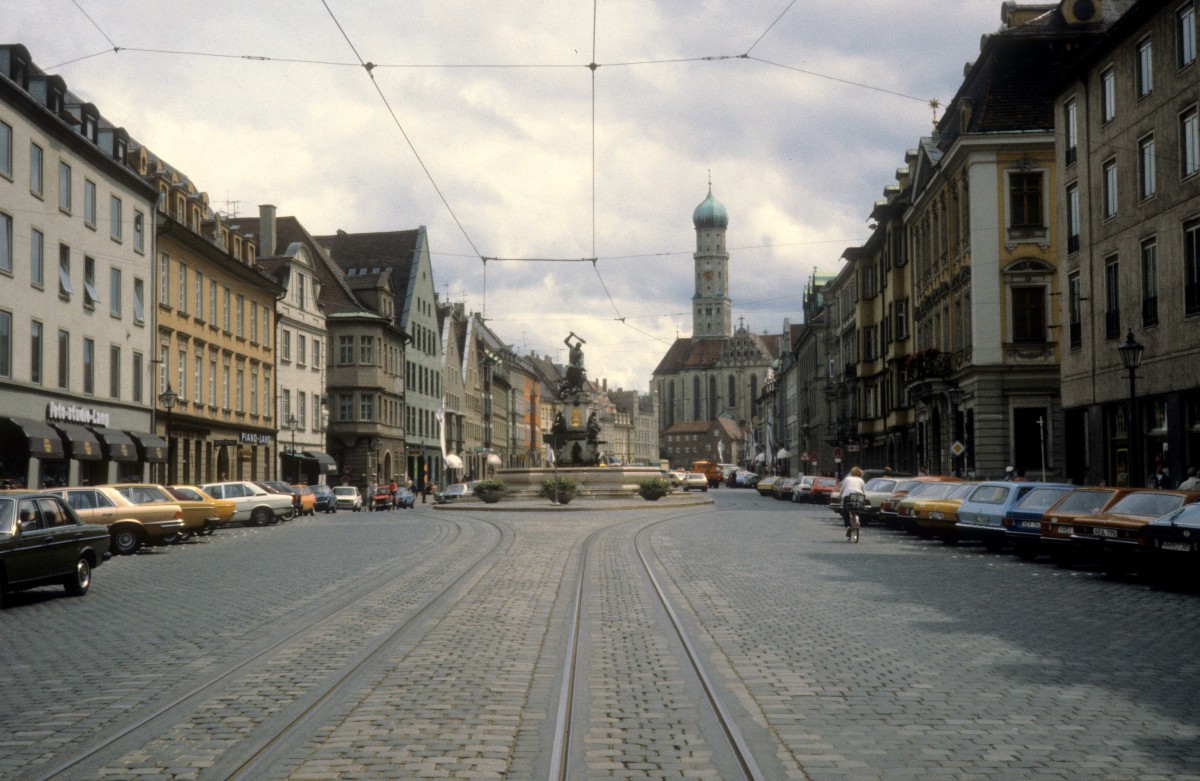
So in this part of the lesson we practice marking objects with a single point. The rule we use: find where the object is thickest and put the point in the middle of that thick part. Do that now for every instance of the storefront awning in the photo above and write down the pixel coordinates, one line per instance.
(151, 447)
(82, 444)
(117, 445)
(41, 441)
(324, 461)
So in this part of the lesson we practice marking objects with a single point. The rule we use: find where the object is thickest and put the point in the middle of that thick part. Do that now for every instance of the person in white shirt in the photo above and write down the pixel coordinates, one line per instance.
(1192, 483)
(852, 484)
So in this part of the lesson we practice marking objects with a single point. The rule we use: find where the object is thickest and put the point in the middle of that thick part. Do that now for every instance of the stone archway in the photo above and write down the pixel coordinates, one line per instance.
(223, 472)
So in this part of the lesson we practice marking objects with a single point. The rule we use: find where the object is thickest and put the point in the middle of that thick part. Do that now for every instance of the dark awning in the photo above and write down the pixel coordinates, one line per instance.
(41, 441)
(151, 447)
(324, 460)
(117, 445)
(82, 444)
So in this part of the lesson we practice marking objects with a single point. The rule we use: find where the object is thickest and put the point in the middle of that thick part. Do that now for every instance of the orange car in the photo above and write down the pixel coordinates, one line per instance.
(887, 507)
(1058, 524)
(1113, 535)
(308, 500)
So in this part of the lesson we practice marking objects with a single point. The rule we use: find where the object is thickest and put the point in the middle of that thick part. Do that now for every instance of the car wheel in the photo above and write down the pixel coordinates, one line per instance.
(126, 541)
(78, 583)
(261, 516)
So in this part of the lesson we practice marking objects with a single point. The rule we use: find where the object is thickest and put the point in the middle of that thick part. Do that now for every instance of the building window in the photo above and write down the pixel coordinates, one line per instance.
(367, 352)
(1185, 37)
(64, 187)
(367, 408)
(36, 331)
(212, 382)
(114, 372)
(346, 407)
(181, 378)
(1189, 142)
(36, 174)
(164, 366)
(198, 376)
(114, 292)
(1145, 68)
(301, 350)
(345, 350)
(89, 203)
(1026, 200)
(285, 344)
(1112, 298)
(316, 357)
(285, 405)
(164, 279)
(1191, 266)
(212, 303)
(226, 305)
(115, 218)
(37, 258)
(1149, 282)
(6, 243)
(241, 389)
(65, 290)
(1072, 218)
(254, 322)
(1147, 184)
(1108, 96)
(1029, 314)
(139, 231)
(64, 359)
(302, 408)
(138, 367)
(139, 301)
(225, 387)
(5, 344)
(1110, 188)
(89, 366)
(241, 316)
(253, 391)
(91, 296)
(6, 153)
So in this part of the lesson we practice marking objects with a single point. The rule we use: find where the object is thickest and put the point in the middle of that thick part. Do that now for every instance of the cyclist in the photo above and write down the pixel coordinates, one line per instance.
(853, 484)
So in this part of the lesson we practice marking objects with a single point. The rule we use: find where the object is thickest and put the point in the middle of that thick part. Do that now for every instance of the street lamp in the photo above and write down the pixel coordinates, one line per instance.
(1131, 359)
(168, 398)
(956, 395)
(293, 424)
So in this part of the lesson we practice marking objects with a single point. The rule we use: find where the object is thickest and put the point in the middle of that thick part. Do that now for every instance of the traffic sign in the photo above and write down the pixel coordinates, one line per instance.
(804, 456)
(837, 454)
(957, 449)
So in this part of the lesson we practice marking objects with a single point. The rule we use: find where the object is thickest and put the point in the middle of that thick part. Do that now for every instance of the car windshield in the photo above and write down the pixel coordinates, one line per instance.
(1040, 499)
(345, 490)
(1085, 502)
(1188, 515)
(961, 491)
(936, 491)
(881, 485)
(990, 494)
(143, 494)
(1146, 503)
(187, 494)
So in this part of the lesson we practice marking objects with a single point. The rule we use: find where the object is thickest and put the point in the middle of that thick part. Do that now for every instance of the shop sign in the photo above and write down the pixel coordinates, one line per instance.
(224, 443)
(70, 413)
(251, 438)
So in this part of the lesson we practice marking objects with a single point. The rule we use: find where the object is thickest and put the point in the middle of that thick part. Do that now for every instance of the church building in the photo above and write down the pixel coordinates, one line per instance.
(706, 385)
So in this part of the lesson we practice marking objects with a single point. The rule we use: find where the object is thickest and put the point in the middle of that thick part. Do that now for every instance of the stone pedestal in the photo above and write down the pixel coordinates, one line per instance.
(595, 482)
(579, 431)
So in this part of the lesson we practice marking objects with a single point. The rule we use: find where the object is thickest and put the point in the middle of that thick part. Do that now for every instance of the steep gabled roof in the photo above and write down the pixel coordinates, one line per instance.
(368, 253)
(336, 296)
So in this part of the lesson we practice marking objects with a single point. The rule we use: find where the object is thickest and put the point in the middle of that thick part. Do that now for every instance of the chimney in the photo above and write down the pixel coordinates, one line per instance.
(266, 231)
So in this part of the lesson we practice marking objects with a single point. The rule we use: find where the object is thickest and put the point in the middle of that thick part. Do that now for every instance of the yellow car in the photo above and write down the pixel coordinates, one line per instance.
(195, 517)
(129, 525)
(217, 512)
(933, 511)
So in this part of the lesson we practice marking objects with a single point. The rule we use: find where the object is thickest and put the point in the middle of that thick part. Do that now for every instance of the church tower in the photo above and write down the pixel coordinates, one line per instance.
(712, 311)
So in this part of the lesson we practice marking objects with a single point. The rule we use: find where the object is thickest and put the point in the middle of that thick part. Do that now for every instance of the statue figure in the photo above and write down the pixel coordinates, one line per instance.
(593, 429)
(576, 376)
(558, 431)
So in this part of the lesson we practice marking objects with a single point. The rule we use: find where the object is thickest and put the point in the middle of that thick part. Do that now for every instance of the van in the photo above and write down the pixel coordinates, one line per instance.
(711, 472)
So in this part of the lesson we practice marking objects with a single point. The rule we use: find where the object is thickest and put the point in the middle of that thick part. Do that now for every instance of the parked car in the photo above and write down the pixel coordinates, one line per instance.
(1023, 521)
(887, 507)
(783, 488)
(452, 493)
(308, 500)
(1058, 524)
(284, 489)
(348, 498)
(255, 505)
(981, 516)
(198, 517)
(220, 511)
(802, 488)
(129, 525)
(43, 543)
(933, 511)
(1112, 536)
(765, 485)
(325, 499)
(695, 481)
(745, 479)
(822, 489)
(1171, 544)
(877, 489)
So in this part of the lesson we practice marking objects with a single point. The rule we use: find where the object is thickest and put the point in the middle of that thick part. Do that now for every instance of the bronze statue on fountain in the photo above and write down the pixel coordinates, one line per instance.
(575, 442)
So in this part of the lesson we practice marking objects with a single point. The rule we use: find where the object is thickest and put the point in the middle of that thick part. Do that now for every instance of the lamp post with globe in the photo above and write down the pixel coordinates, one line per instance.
(168, 398)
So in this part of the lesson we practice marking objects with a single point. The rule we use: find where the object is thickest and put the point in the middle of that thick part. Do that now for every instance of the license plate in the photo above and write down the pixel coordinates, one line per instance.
(1102, 532)
(936, 516)
(1031, 524)
(1065, 531)
(1186, 547)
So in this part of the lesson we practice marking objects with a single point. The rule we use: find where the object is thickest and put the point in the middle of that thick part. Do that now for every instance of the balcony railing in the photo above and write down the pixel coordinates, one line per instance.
(927, 364)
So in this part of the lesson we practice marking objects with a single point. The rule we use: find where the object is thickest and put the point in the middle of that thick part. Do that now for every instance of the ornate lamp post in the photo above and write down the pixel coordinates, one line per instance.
(956, 395)
(1131, 359)
(168, 398)
(292, 425)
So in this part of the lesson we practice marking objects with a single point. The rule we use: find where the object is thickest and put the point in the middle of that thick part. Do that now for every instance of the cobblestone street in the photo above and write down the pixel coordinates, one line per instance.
(423, 644)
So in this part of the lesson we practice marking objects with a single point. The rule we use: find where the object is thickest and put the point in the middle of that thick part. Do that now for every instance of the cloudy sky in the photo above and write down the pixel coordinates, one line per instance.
(483, 122)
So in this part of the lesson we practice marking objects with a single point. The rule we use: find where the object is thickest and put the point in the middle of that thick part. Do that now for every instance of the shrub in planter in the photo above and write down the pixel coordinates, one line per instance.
(653, 489)
(490, 491)
(566, 489)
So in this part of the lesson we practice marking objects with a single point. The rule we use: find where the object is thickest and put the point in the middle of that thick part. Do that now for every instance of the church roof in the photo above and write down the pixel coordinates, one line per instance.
(690, 354)
(710, 214)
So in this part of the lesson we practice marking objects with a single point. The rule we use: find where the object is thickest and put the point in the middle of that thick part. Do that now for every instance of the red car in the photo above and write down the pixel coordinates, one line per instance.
(822, 489)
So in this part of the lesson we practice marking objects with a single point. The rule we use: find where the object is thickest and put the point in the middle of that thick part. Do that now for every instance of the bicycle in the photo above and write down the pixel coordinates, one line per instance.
(853, 503)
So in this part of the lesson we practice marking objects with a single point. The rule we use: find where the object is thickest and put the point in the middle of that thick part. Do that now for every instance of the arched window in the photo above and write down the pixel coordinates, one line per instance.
(712, 397)
(671, 404)
(732, 403)
(695, 398)
(753, 394)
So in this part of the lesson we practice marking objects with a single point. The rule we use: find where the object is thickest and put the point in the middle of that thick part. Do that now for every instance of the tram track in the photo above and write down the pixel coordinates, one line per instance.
(562, 765)
(353, 607)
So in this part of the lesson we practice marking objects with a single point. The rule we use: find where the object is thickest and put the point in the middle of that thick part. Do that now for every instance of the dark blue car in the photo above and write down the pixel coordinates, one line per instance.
(981, 515)
(1023, 521)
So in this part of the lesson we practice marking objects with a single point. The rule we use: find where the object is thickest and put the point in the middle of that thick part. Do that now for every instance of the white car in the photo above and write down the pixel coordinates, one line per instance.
(347, 497)
(252, 504)
(694, 481)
